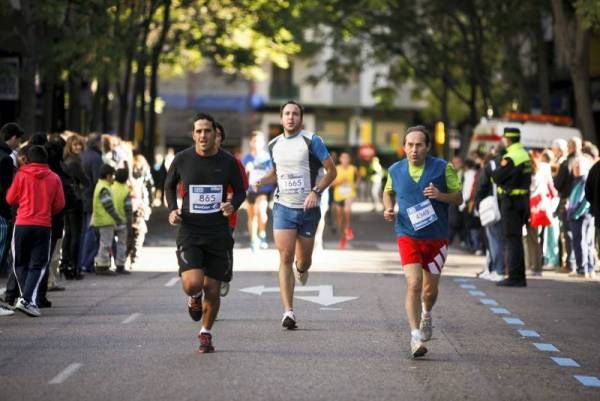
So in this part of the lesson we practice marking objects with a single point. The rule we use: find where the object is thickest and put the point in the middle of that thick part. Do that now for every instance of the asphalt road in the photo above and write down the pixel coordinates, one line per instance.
(130, 338)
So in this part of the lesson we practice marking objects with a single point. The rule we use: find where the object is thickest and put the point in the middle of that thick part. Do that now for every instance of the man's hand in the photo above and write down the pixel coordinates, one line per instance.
(389, 215)
(227, 209)
(431, 191)
(175, 217)
(312, 200)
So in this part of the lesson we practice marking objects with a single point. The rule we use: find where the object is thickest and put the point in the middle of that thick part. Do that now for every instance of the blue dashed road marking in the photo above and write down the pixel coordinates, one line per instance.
(468, 286)
(500, 311)
(513, 320)
(477, 293)
(545, 347)
(463, 280)
(565, 362)
(528, 333)
(487, 301)
(589, 381)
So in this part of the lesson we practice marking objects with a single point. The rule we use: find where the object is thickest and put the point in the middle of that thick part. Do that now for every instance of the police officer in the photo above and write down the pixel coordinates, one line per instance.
(513, 178)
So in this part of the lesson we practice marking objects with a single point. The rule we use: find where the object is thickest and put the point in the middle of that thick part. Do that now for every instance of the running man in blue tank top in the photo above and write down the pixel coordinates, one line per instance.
(423, 186)
(302, 170)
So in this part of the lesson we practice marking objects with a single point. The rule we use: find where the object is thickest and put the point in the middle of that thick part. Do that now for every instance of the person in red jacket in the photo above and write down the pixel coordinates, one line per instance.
(38, 193)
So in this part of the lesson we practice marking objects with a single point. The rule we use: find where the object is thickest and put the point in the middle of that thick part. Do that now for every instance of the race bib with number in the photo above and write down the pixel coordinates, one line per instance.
(421, 215)
(291, 184)
(205, 198)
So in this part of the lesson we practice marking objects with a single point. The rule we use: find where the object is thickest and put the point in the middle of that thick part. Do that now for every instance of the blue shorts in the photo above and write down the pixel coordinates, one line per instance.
(304, 222)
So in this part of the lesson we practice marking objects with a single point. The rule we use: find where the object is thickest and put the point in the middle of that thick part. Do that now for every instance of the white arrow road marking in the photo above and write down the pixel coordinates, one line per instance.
(66, 373)
(172, 282)
(325, 297)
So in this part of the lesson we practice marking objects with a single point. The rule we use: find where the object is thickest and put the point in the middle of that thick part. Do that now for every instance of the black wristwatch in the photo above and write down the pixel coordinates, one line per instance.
(316, 190)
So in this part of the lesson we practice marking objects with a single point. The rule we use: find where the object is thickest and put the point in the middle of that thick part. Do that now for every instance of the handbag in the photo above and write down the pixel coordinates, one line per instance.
(489, 211)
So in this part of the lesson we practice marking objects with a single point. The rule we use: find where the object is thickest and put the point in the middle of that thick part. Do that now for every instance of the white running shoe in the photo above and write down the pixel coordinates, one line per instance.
(27, 308)
(417, 349)
(301, 277)
(289, 320)
(426, 327)
(495, 277)
(485, 275)
(5, 311)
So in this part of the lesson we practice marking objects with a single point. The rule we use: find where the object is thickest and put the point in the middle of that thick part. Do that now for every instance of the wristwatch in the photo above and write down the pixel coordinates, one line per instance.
(316, 190)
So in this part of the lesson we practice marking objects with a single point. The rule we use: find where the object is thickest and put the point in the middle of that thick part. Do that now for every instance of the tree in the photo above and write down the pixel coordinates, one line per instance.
(573, 22)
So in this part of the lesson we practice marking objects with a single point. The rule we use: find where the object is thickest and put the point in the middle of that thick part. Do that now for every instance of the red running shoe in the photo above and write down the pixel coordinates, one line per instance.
(342, 244)
(349, 234)
(206, 346)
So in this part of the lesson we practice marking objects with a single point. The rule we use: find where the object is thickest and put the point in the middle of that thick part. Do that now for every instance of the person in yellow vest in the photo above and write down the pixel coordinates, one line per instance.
(513, 178)
(123, 205)
(344, 191)
(105, 218)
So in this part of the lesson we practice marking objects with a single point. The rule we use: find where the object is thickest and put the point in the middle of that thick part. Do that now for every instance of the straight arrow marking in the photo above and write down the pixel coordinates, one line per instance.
(324, 298)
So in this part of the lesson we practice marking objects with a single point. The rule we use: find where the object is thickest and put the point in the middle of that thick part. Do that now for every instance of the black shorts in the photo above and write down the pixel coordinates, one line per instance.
(251, 196)
(213, 254)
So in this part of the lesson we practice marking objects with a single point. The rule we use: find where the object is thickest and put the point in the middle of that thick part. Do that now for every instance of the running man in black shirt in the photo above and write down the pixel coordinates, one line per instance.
(204, 241)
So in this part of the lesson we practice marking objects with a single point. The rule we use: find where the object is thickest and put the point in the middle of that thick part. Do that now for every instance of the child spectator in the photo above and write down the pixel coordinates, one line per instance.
(38, 193)
(122, 199)
(105, 218)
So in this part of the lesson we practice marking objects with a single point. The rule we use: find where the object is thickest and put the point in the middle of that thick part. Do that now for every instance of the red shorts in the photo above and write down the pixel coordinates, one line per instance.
(429, 253)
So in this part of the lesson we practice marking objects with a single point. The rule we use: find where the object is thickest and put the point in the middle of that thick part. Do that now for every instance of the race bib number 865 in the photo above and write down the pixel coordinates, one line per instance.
(205, 198)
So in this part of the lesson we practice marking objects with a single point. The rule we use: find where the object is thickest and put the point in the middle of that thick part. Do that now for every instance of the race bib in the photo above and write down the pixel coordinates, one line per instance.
(205, 198)
(344, 190)
(291, 184)
(422, 214)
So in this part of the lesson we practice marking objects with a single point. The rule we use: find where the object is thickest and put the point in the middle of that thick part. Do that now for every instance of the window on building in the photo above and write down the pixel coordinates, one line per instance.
(334, 133)
(282, 85)
(388, 135)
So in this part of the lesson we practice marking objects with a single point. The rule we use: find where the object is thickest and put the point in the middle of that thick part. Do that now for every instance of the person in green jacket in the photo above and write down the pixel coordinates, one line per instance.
(123, 205)
(107, 221)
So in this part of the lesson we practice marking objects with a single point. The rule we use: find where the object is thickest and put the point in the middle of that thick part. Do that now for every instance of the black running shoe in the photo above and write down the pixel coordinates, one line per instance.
(195, 307)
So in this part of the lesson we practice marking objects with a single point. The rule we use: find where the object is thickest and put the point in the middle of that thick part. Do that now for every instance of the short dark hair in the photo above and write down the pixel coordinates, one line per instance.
(419, 128)
(205, 116)
(106, 170)
(10, 130)
(37, 154)
(294, 103)
(39, 138)
(121, 175)
(219, 127)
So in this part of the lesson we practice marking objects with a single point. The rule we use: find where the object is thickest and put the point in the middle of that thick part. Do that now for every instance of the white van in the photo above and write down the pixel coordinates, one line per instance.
(534, 135)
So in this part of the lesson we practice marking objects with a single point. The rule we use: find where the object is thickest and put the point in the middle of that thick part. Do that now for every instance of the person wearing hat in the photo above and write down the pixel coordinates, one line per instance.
(513, 178)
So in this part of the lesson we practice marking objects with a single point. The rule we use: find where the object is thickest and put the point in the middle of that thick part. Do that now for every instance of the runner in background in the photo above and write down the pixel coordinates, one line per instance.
(257, 163)
(344, 192)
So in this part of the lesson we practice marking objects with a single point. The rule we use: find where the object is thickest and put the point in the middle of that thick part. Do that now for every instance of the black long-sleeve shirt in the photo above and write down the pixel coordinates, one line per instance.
(204, 178)
(592, 191)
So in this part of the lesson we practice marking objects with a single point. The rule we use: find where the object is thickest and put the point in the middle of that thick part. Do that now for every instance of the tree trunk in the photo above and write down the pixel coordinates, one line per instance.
(543, 68)
(574, 44)
(27, 99)
(150, 134)
(75, 110)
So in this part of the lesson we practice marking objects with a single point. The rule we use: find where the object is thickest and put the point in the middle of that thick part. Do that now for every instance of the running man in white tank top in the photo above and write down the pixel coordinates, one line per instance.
(302, 170)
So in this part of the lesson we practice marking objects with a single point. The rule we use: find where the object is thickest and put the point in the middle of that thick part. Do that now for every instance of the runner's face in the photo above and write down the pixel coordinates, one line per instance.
(204, 136)
(415, 148)
(290, 118)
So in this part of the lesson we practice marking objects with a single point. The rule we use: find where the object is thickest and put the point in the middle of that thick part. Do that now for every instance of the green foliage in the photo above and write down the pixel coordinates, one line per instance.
(589, 12)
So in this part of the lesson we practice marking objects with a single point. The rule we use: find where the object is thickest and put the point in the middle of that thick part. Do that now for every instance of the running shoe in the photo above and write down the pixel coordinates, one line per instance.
(494, 276)
(342, 244)
(289, 320)
(27, 308)
(426, 327)
(206, 346)
(224, 288)
(417, 349)
(349, 234)
(5, 311)
(195, 307)
(301, 276)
